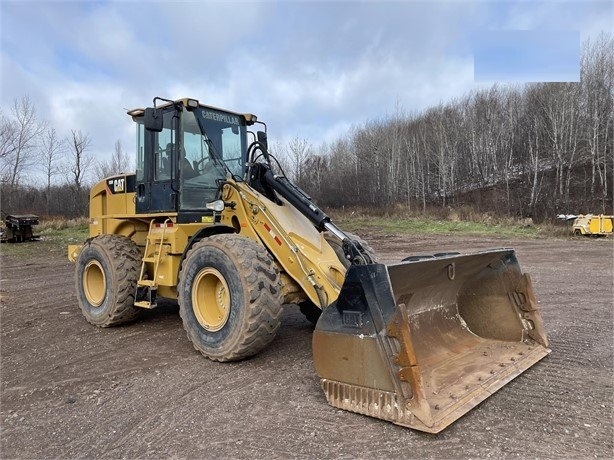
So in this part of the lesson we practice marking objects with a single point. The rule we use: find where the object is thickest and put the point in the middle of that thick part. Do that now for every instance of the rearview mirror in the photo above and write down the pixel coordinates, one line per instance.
(153, 119)
(263, 139)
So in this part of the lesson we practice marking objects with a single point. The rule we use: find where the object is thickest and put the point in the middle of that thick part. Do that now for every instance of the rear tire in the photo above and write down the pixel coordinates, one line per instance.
(105, 279)
(230, 297)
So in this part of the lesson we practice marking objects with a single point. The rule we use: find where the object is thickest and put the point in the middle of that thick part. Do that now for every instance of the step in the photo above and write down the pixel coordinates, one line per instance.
(148, 283)
(151, 259)
(145, 304)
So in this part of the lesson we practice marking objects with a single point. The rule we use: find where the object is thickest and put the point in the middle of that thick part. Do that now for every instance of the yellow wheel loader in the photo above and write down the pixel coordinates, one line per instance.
(209, 219)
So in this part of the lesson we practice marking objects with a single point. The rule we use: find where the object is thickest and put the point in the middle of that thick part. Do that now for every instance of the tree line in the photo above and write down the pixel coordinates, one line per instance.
(525, 150)
(45, 172)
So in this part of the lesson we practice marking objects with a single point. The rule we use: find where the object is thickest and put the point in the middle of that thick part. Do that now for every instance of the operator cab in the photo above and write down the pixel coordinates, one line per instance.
(184, 149)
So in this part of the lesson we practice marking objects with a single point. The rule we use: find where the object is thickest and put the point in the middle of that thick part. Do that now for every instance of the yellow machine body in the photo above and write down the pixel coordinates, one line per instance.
(303, 255)
(591, 224)
(418, 343)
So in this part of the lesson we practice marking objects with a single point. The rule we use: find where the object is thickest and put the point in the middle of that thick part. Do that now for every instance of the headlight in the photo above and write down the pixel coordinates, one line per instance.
(217, 205)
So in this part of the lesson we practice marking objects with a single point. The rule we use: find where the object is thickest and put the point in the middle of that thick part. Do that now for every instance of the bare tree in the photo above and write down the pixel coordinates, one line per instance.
(7, 135)
(597, 66)
(509, 132)
(78, 143)
(366, 156)
(78, 167)
(298, 150)
(276, 149)
(534, 163)
(560, 111)
(18, 139)
(315, 169)
(51, 151)
(419, 145)
(119, 163)
(8, 132)
(338, 186)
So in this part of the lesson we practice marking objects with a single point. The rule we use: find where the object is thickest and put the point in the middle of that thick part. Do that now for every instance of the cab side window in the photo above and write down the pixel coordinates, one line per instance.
(140, 147)
(165, 149)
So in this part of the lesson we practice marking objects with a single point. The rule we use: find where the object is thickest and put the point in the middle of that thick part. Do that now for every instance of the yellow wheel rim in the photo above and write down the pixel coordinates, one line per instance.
(94, 283)
(211, 299)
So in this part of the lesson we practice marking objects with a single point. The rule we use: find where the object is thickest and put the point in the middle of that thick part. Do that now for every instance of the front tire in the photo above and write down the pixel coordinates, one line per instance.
(105, 279)
(230, 297)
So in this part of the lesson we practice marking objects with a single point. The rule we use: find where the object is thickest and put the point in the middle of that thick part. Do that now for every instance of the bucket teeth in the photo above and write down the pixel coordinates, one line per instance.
(431, 414)
(384, 405)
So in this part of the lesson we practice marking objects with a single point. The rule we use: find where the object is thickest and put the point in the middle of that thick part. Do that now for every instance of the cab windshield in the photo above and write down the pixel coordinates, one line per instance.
(213, 144)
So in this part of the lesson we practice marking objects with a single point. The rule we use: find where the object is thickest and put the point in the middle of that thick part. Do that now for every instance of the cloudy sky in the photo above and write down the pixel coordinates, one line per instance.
(309, 69)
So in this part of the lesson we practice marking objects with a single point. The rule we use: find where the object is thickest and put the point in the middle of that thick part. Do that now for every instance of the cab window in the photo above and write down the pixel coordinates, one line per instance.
(140, 148)
(164, 149)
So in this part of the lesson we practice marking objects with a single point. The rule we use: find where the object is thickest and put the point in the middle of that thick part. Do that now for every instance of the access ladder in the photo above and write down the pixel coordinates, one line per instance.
(146, 288)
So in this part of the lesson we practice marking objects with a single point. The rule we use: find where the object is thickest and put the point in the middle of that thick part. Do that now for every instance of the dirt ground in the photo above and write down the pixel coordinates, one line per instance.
(73, 390)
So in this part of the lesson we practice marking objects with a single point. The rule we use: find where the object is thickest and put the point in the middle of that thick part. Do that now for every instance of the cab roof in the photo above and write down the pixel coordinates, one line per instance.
(139, 112)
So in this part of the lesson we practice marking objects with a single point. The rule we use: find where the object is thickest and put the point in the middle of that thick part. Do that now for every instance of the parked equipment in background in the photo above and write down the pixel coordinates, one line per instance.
(211, 220)
(590, 224)
(18, 228)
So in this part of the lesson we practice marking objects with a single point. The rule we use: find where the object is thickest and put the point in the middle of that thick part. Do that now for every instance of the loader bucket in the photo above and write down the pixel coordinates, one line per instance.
(421, 343)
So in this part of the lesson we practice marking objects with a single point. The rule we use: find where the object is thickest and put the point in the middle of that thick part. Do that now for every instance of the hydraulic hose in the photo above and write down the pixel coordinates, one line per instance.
(297, 198)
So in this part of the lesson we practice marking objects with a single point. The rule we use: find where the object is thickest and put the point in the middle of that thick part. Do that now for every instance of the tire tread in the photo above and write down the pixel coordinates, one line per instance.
(257, 267)
(125, 259)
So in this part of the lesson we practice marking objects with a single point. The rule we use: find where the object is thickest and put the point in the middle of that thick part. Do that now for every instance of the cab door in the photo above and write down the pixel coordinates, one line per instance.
(157, 178)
